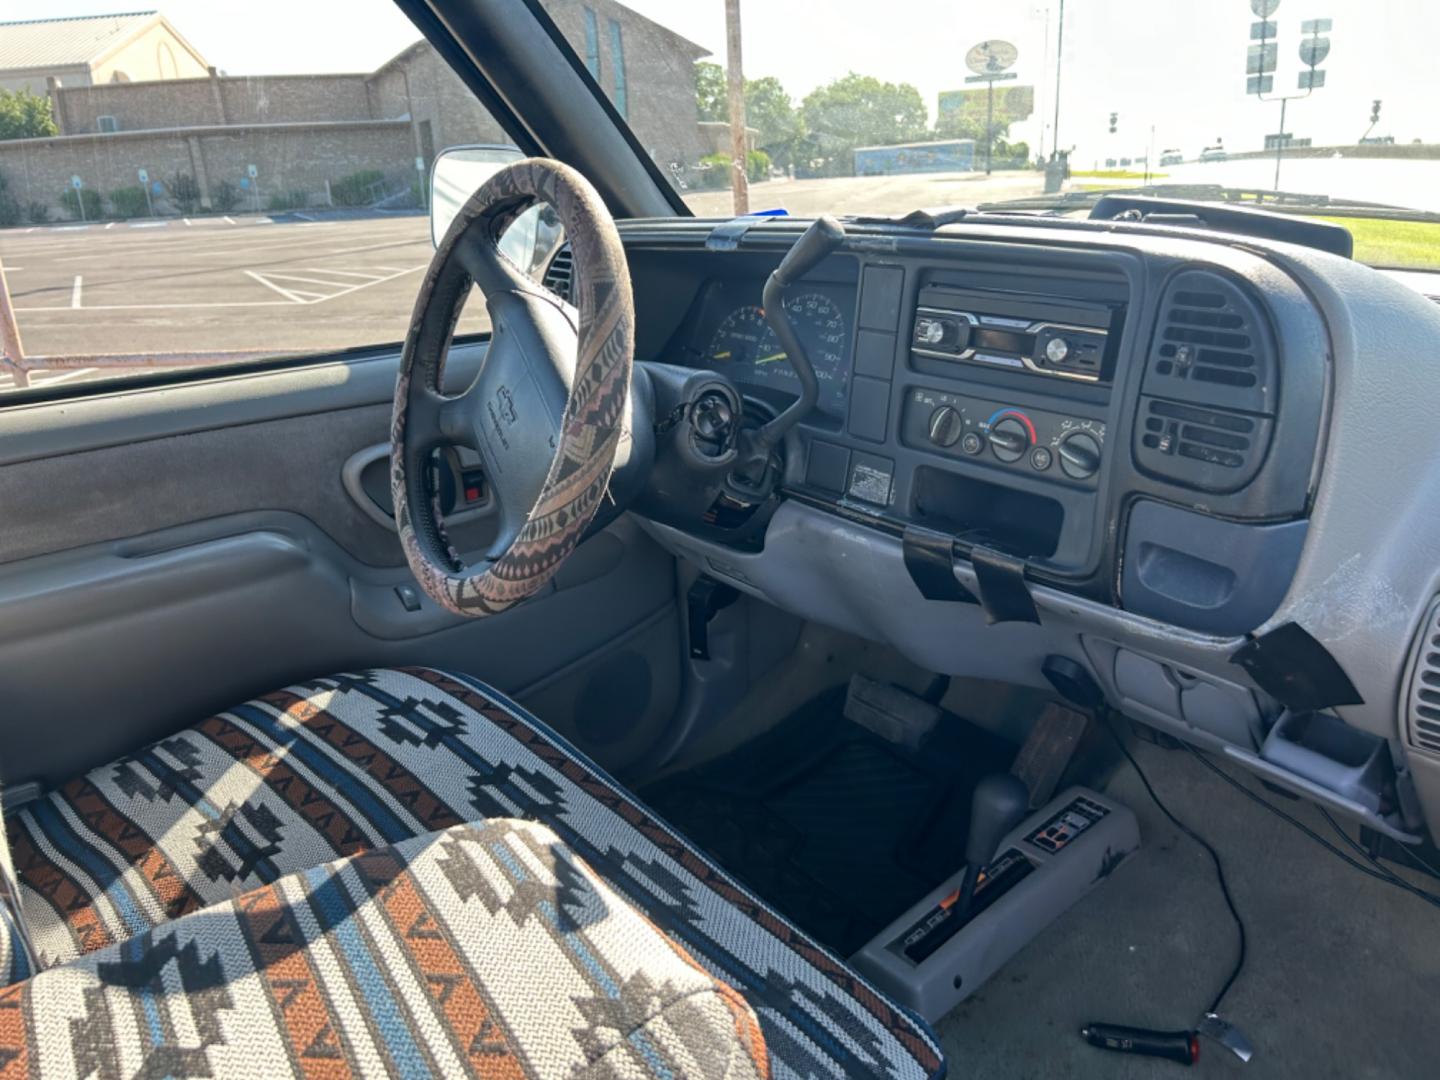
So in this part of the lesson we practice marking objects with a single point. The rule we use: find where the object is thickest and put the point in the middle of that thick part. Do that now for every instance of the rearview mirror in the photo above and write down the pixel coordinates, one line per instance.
(456, 174)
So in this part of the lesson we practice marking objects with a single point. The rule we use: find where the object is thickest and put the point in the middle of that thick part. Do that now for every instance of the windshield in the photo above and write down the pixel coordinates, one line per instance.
(207, 184)
(1311, 106)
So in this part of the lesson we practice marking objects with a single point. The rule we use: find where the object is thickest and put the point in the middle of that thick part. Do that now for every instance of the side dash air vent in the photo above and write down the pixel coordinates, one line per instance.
(1212, 346)
(558, 274)
(1210, 389)
(1421, 722)
(1210, 449)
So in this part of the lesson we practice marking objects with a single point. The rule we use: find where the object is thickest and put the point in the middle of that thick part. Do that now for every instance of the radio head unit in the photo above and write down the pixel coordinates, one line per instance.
(1059, 338)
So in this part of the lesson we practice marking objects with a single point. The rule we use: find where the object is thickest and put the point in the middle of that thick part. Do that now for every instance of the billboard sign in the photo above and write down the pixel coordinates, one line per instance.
(991, 57)
(1012, 104)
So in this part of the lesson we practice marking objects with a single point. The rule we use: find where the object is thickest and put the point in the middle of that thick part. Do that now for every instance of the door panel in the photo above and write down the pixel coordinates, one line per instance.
(147, 580)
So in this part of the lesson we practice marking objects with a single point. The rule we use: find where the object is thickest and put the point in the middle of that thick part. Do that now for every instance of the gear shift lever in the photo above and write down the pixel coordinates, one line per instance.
(997, 806)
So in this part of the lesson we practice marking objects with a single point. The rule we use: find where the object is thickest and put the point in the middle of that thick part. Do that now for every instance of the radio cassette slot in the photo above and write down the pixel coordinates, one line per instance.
(1056, 339)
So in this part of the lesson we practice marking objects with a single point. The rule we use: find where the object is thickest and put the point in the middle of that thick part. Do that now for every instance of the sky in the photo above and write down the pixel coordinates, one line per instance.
(1178, 65)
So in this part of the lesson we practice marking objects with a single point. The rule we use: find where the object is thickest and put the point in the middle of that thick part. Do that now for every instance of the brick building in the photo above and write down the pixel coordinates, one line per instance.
(92, 50)
(304, 132)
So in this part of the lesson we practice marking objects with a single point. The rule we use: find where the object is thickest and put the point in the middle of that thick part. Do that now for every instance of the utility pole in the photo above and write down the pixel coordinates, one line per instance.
(1059, 62)
(735, 77)
(1042, 68)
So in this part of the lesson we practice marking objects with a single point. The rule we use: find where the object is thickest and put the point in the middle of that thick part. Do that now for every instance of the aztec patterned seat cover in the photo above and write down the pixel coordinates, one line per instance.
(485, 950)
(352, 763)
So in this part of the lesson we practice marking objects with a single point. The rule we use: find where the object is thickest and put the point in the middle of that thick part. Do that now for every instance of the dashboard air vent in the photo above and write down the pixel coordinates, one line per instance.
(558, 274)
(1215, 450)
(1219, 438)
(1422, 720)
(1206, 342)
(1212, 346)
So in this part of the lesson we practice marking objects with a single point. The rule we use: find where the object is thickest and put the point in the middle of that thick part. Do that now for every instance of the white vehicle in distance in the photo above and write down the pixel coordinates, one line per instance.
(1172, 157)
(1214, 153)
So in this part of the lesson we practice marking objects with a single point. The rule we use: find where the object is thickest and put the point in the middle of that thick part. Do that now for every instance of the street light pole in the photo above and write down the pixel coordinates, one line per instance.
(1059, 63)
(739, 151)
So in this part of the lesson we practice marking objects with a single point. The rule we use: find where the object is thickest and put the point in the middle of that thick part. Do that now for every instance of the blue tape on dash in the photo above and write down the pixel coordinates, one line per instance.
(727, 235)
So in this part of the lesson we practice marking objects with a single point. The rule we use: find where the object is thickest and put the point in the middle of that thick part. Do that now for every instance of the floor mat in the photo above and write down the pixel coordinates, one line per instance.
(837, 828)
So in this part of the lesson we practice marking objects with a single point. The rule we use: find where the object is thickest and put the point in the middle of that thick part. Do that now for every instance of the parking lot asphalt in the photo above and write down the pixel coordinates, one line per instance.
(307, 282)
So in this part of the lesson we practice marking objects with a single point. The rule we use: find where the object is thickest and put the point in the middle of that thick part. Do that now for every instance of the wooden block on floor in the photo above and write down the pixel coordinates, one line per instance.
(1048, 749)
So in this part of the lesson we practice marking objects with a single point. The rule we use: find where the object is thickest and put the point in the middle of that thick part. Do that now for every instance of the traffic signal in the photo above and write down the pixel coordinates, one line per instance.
(1116, 116)
(1375, 112)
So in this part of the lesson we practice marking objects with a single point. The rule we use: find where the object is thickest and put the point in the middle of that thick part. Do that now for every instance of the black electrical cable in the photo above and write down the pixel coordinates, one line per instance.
(1382, 874)
(1354, 845)
(1214, 858)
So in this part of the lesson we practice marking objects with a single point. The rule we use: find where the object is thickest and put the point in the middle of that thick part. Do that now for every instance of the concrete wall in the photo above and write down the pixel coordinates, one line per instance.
(272, 99)
(300, 157)
(135, 106)
(295, 99)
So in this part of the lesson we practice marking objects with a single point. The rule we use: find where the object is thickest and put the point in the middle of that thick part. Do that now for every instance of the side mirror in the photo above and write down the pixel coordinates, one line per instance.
(457, 172)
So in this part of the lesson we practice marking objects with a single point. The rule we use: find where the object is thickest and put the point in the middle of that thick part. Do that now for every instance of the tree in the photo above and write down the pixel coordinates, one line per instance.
(711, 102)
(954, 124)
(771, 112)
(859, 110)
(24, 115)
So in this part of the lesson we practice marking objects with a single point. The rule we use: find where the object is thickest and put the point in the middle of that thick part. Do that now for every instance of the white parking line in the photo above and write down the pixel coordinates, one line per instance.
(293, 297)
(346, 273)
(111, 225)
(75, 291)
(312, 280)
(149, 224)
(229, 220)
(187, 221)
(303, 217)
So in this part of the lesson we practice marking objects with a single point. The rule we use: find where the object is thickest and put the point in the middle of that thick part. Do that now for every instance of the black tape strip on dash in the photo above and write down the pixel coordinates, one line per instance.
(930, 558)
(1003, 592)
(1296, 670)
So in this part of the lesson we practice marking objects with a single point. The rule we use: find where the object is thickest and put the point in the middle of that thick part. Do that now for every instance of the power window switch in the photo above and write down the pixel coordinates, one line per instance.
(409, 597)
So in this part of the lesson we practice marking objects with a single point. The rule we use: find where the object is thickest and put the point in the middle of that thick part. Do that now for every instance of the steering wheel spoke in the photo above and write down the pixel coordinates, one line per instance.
(487, 267)
(545, 412)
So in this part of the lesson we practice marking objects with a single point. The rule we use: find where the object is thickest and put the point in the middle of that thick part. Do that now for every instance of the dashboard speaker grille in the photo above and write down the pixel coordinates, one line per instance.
(558, 274)
(1422, 720)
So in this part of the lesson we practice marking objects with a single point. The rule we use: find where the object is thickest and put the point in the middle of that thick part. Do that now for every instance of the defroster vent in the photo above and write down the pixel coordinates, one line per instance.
(1421, 722)
(559, 272)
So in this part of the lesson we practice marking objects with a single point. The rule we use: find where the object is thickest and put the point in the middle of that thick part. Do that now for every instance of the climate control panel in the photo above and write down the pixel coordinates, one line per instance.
(1069, 449)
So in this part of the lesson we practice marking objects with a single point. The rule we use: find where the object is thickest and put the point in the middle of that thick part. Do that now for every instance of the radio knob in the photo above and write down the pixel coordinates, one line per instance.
(1010, 439)
(1080, 455)
(946, 426)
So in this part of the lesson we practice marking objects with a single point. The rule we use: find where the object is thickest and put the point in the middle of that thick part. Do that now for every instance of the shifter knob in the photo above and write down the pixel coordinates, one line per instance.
(997, 806)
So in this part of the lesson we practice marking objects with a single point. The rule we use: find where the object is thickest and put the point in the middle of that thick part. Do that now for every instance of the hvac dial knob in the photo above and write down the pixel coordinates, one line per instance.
(1080, 455)
(946, 426)
(1010, 439)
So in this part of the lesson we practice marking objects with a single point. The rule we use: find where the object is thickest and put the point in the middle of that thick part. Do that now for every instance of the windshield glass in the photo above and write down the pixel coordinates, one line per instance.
(1315, 107)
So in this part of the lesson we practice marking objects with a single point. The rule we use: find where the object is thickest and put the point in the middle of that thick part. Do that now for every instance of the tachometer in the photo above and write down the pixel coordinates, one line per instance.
(741, 339)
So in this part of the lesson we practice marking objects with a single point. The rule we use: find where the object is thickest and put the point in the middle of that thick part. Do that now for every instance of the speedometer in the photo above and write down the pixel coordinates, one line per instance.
(822, 329)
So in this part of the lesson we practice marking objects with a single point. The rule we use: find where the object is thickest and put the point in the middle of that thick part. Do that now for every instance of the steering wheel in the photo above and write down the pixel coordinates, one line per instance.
(547, 411)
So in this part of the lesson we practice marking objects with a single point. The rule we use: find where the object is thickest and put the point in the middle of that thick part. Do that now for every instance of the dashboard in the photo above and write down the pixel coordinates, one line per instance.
(1151, 451)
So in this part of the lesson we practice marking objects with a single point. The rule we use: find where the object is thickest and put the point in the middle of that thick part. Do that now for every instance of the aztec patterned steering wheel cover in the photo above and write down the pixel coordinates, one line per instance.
(595, 412)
